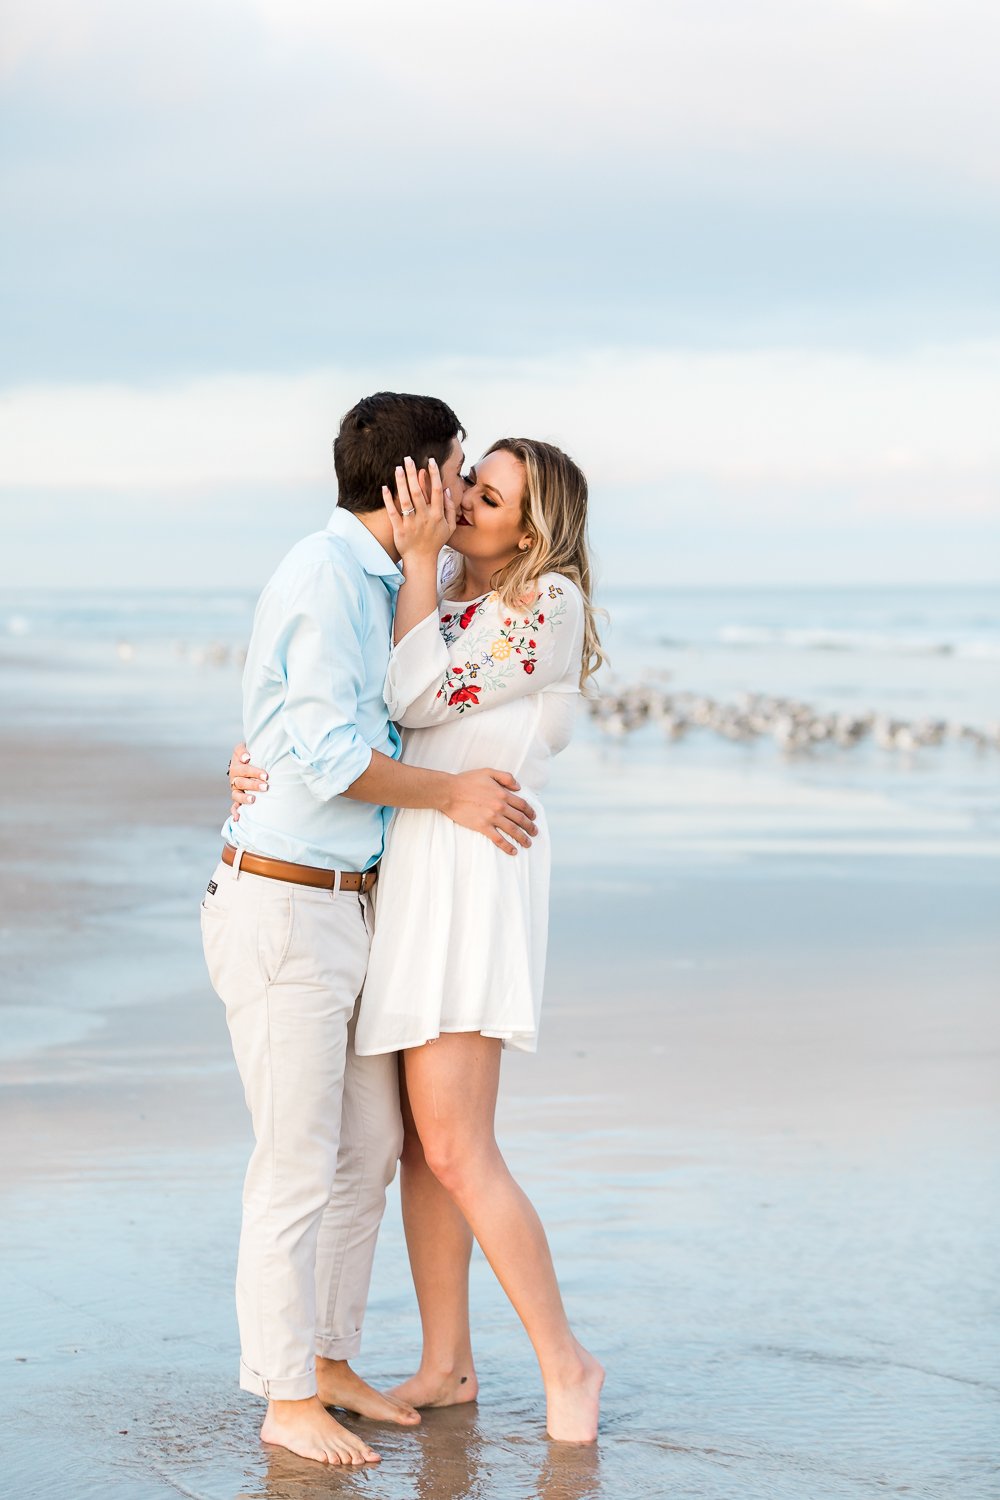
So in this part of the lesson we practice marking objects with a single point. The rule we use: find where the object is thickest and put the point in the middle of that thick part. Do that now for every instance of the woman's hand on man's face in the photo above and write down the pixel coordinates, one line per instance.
(245, 780)
(423, 515)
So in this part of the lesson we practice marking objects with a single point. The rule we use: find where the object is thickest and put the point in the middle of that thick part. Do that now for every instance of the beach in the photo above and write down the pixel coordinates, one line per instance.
(761, 1128)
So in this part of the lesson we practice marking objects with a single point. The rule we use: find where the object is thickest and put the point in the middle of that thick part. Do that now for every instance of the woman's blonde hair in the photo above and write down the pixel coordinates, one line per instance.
(554, 512)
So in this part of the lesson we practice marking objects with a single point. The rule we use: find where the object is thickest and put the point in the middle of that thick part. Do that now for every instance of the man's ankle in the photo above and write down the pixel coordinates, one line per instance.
(287, 1406)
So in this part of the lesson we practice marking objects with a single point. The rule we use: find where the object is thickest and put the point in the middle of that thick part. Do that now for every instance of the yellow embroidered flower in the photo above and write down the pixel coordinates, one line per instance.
(500, 650)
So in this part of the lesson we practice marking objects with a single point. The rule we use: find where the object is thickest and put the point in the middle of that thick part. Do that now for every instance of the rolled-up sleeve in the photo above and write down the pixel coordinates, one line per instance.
(321, 656)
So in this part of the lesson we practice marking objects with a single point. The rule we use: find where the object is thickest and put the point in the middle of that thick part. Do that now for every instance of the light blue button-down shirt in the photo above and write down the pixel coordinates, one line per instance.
(313, 705)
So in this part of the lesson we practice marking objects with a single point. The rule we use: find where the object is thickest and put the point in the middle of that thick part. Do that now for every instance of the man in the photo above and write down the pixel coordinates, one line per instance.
(286, 923)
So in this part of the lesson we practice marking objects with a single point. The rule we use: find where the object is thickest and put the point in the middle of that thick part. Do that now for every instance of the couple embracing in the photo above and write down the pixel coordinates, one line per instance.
(399, 716)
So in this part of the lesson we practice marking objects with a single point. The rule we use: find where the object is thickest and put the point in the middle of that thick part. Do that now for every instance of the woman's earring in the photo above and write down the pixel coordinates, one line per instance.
(524, 546)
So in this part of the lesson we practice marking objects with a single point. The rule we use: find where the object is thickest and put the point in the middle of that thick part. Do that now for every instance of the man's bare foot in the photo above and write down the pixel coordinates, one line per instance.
(437, 1388)
(573, 1402)
(307, 1428)
(338, 1385)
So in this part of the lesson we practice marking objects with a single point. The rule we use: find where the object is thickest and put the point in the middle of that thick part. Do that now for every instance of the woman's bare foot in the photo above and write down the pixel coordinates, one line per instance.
(338, 1385)
(307, 1428)
(437, 1388)
(573, 1401)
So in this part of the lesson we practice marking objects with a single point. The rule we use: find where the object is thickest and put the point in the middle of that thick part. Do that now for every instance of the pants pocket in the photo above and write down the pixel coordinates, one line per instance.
(275, 924)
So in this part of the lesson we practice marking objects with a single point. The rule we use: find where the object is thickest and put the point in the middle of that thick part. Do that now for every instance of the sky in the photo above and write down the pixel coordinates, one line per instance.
(741, 259)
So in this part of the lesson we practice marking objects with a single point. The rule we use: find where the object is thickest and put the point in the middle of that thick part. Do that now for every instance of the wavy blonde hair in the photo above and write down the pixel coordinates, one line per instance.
(554, 514)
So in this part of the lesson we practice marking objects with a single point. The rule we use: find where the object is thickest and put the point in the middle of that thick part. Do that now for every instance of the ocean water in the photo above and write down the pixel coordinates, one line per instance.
(930, 620)
(929, 651)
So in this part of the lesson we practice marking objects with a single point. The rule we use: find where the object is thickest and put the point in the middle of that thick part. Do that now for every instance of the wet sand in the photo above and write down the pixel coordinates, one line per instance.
(761, 1129)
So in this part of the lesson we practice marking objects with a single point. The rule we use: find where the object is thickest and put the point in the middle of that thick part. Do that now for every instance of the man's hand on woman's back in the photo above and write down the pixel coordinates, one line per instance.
(486, 802)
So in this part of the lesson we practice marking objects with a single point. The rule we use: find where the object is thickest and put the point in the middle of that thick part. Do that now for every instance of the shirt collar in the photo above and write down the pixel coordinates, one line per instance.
(366, 548)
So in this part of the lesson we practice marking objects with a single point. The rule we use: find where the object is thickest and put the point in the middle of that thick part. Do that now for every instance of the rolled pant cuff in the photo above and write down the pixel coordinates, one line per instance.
(345, 1346)
(293, 1388)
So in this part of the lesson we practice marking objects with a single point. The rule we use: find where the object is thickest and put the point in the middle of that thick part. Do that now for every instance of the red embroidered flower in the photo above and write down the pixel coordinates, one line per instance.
(532, 645)
(541, 619)
(467, 614)
(506, 622)
(465, 695)
(529, 666)
(446, 619)
(459, 670)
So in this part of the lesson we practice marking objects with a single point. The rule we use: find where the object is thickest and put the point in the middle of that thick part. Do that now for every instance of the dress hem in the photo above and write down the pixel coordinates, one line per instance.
(521, 1041)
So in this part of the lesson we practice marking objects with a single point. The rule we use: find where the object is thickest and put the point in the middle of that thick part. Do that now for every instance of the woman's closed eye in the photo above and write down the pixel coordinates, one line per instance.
(472, 481)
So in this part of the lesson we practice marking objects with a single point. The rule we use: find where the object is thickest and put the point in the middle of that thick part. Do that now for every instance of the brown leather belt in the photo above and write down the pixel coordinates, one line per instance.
(281, 869)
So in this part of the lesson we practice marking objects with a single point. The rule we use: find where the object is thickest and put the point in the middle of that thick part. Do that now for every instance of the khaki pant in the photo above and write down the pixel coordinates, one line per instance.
(289, 961)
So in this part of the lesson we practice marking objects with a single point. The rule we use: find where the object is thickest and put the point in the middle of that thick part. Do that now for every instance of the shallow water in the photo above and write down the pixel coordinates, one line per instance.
(777, 1320)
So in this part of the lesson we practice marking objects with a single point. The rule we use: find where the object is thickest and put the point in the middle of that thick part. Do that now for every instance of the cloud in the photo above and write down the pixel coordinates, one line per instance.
(748, 86)
(200, 185)
(890, 435)
(740, 259)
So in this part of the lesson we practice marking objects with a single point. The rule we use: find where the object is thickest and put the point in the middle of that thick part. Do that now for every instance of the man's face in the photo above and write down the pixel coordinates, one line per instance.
(451, 472)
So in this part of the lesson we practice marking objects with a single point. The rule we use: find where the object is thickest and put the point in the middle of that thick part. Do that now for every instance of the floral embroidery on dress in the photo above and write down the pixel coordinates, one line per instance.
(514, 648)
(453, 625)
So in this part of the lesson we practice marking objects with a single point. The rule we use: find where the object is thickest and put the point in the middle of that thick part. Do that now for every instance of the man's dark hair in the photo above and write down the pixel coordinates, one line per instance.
(378, 434)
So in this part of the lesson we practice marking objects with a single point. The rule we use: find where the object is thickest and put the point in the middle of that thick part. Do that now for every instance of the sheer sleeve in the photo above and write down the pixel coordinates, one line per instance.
(485, 655)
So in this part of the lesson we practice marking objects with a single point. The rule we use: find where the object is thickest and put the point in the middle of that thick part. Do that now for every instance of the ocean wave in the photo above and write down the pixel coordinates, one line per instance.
(871, 642)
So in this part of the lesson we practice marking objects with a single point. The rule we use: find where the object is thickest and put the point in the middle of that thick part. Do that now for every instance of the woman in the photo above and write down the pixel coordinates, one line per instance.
(489, 674)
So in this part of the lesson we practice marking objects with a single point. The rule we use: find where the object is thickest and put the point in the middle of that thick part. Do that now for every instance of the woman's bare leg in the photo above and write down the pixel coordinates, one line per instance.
(452, 1090)
(439, 1242)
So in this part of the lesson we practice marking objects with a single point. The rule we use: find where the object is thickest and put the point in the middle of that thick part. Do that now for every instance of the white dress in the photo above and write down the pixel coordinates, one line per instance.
(461, 927)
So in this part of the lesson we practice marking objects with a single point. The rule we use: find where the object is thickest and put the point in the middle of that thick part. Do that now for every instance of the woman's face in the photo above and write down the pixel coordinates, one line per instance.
(490, 527)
